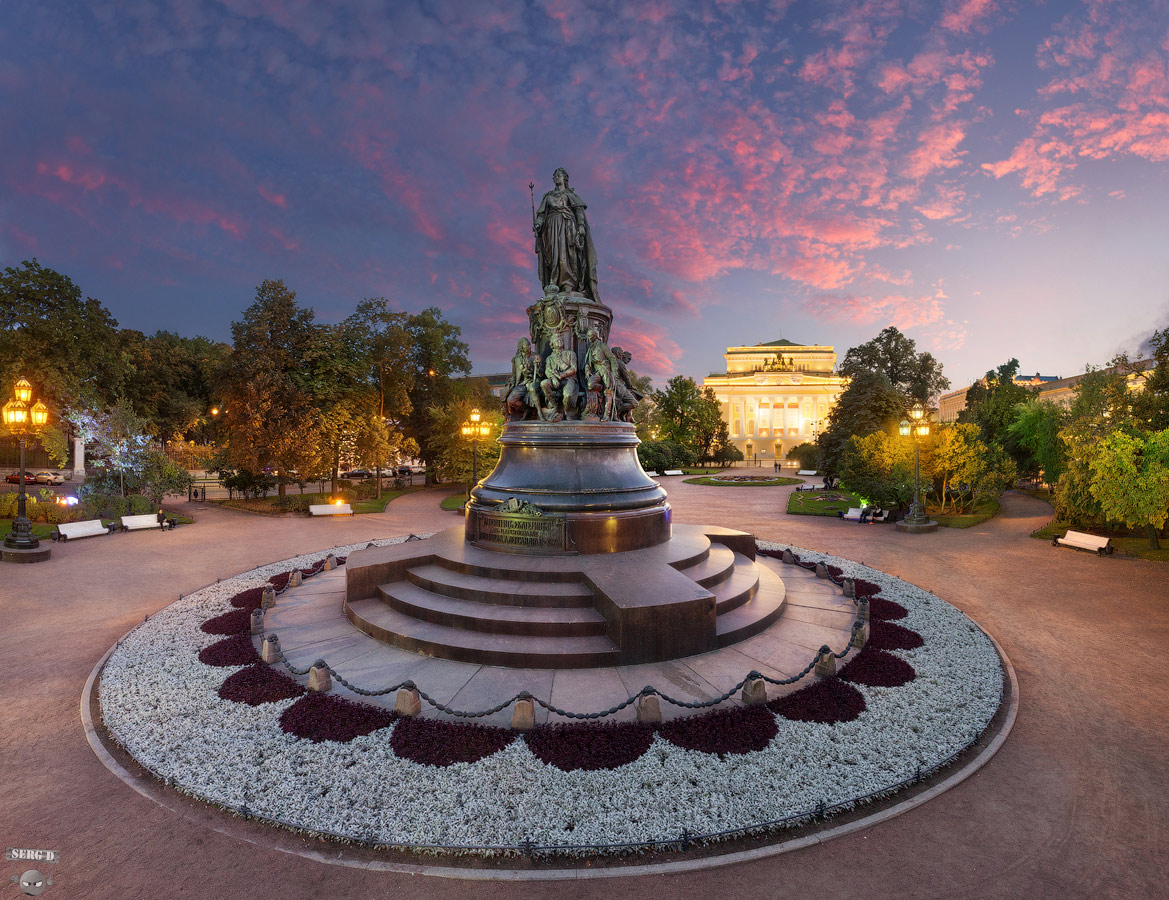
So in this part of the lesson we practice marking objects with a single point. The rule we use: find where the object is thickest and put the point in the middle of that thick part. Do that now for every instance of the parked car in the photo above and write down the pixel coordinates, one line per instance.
(357, 474)
(417, 470)
(14, 478)
(50, 478)
(403, 471)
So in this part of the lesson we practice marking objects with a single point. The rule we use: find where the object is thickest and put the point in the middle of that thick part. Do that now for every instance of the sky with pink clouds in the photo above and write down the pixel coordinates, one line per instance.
(990, 176)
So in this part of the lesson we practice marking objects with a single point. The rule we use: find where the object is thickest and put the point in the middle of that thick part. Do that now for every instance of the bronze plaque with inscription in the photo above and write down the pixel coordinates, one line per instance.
(520, 533)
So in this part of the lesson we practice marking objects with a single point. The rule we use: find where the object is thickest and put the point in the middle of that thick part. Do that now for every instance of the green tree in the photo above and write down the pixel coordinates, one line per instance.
(918, 376)
(120, 444)
(453, 452)
(1130, 480)
(1150, 402)
(170, 379)
(1035, 429)
(992, 407)
(157, 476)
(879, 467)
(269, 412)
(437, 352)
(690, 416)
(964, 468)
(870, 403)
(808, 455)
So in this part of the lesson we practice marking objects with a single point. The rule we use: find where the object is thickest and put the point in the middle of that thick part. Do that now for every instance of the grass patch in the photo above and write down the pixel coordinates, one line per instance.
(299, 503)
(814, 503)
(976, 515)
(39, 529)
(1128, 545)
(714, 481)
(454, 502)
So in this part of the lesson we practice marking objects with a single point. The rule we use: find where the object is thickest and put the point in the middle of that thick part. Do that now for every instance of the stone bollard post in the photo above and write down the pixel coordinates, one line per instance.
(863, 610)
(319, 678)
(268, 597)
(860, 638)
(821, 570)
(295, 579)
(407, 703)
(848, 588)
(825, 664)
(269, 651)
(523, 717)
(330, 563)
(755, 692)
(649, 709)
(789, 558)
(257, 621)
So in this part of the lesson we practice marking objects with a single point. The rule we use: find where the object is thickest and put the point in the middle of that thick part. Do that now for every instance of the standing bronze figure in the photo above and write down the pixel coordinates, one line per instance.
(564, 243)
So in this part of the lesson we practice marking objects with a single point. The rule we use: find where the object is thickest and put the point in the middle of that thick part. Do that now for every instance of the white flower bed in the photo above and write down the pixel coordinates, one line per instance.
(162, 705)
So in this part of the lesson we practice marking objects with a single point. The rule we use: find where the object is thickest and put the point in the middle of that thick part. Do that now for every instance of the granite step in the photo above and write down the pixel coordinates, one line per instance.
(739, 587)
(439, 579)
(388, 625)
(755, 615)
(413, 600)
(717, 566)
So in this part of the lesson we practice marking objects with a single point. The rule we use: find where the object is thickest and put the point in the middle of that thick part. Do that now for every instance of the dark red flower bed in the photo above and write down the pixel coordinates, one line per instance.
(258, 684)
(312, 570)
(323, 717)
(280, 582)
(249, 599)
(880, 608)
(590, 746)
(341, 560)
(827, 701)
(723, 731)
(437, 743)
(864, 588)
(877, 668)
(235, 622)
(236, 650)
(835, 571)
(890, 636)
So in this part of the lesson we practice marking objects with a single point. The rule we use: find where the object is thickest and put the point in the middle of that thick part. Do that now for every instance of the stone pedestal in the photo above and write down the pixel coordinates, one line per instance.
(39, 554)
(587, 486)
(916, 527)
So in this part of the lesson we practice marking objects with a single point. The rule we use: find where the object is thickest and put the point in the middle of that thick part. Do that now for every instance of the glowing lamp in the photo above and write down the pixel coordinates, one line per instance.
(215, 410)
(904, 427)
(476, 416)
(338, 503)
(40, 415)
(923, 429)
(16, 413)
(23, 390)
(917, 412)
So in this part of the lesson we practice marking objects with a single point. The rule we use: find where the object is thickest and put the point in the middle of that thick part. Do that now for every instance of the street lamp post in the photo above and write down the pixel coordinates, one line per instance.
(917, 522)
(24, 418)
(474, 430)
(749, 446)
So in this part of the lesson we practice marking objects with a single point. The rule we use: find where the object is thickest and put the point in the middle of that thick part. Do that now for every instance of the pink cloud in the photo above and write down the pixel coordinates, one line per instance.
(965, 15)
(937, 148)
(653, 352)
(894, 309)
(272, 197)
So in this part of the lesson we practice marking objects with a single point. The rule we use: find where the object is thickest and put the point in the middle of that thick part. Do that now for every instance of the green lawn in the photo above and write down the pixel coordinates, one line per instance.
(714, 480)
(39, 529)
(455, 501)
(270, 506)
(1129, 545)
(979, 513)
(817, 503)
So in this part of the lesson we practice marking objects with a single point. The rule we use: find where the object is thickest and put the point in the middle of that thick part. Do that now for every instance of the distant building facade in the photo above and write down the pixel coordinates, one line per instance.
(1062, 391)
(776, 395)
(949, 405)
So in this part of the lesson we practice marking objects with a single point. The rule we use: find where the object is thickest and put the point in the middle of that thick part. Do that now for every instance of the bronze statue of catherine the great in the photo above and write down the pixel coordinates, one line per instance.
(564, 243)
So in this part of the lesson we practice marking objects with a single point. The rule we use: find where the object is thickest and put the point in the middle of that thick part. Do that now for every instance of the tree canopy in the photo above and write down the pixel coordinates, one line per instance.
(918, 376)
(869, 404)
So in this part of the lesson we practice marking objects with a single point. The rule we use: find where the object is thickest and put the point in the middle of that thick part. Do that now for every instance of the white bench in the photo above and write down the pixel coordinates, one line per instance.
(807, 472)
(673, 472)
(1081, 541)
(810, 486)
(330, 509)
(853, 515)
(88, 528)
(137, 523)
(653, 474)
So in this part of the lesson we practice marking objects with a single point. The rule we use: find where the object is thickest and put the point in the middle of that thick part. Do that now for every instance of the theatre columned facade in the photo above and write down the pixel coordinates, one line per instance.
(776, 395)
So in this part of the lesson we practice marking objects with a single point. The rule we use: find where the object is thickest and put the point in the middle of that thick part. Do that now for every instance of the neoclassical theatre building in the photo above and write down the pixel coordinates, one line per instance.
(776, 395)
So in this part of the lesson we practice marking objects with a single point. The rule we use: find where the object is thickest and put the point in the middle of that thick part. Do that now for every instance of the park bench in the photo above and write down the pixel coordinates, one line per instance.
(853, 515)
(883, 516)
(810, 486)
(1081, 541)
(807, 472)
(330, 509)
(653, 474)
(673, 472)
(148, 520)
(88, 528)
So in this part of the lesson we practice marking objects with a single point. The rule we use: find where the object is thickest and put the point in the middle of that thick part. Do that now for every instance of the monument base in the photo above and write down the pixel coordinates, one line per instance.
(37, 554)
(917, 527)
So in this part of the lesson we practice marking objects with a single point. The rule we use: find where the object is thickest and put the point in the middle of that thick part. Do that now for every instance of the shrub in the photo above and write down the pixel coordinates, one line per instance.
(808, 455)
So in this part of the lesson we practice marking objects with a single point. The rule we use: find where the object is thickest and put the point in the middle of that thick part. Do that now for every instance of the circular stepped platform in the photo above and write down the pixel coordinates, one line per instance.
(445, 598)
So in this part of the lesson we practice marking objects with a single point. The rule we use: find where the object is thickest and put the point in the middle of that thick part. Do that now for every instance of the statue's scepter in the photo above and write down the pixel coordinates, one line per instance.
(532, 197)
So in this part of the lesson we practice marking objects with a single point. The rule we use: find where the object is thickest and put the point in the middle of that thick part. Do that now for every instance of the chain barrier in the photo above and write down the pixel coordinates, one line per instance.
(861, 605)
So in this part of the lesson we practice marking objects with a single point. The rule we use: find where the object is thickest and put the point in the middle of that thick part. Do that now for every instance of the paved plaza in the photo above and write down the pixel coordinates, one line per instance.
(1074, 805)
